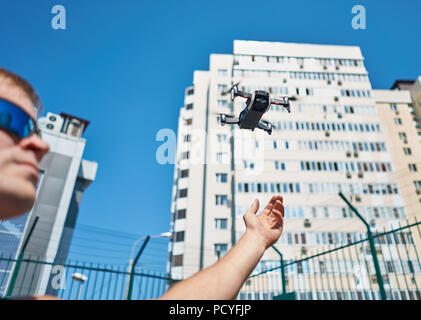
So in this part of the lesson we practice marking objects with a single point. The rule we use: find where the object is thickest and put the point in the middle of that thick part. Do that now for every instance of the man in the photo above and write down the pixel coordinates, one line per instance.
(22, 149)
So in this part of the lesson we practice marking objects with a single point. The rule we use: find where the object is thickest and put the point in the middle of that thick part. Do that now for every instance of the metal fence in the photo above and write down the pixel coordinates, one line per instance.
(383, 265)
(77, 280)
(347, 271)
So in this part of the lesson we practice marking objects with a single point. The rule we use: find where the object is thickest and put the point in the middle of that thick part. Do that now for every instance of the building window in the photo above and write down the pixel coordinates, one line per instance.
(299, 267)
(390, 267)
(280, 165)
(186, 155)
(221, 248)
(303, 238)
(187, 138)
(221, 137)
(348, 237)
(289, 237)
(222, 87)
(181, 214)
(221, 224)
(189, 106)
(221, 200)
(322, 267)
(184, 173)
(330, 237)
(393, 107)
(398, 121)
(221, 157)
(407, 151)
(402, 136)
(179, 236)
(177, 260)
(188, 122)
(222, 72)
(412, 167)
(182, 193)
(241, 186)
(222, 103)
(221, 177)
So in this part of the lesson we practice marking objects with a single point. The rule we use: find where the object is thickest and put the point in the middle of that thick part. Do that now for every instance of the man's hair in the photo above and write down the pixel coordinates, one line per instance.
(24, 85)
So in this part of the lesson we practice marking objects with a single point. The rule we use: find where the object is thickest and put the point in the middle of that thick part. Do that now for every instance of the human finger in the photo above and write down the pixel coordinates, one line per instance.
(278, 206)
(269, 206)
(278, 215)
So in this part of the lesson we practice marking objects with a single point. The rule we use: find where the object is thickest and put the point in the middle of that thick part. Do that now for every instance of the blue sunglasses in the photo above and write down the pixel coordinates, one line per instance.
(16, 121)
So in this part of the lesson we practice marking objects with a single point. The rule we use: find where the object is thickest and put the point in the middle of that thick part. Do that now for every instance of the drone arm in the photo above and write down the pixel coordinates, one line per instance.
(242, 94)
(237, 93)
(265, 126)
(284, 101)
(231, 120)
(228, 120)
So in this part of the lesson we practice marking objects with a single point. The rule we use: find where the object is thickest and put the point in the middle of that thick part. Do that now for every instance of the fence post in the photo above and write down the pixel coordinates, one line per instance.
(282, 270)
(372, 249)
(19, 261)
(132, 267)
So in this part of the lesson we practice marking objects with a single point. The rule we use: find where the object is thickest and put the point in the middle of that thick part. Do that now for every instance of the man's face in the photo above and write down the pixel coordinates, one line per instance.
(19, 159)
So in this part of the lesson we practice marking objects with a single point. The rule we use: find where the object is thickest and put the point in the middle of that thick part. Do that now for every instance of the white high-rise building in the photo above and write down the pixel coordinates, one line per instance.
(331, 142)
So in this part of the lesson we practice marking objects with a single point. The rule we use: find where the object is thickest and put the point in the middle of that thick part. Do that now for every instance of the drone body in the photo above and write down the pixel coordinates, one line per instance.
(257, 104)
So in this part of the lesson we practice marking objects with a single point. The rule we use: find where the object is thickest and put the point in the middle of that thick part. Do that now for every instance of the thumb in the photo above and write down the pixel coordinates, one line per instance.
(254, 207)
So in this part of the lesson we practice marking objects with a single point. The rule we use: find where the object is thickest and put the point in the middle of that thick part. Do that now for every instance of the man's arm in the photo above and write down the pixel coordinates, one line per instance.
(224, 279)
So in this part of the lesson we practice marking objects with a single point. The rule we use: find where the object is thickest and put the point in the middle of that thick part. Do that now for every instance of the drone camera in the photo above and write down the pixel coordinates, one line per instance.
(261, 101)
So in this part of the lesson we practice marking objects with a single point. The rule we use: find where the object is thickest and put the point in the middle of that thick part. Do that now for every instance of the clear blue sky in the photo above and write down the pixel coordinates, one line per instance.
(124, 65)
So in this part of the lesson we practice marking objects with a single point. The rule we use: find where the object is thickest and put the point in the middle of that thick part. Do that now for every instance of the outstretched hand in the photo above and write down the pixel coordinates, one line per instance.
(224, 279)
(268, 225)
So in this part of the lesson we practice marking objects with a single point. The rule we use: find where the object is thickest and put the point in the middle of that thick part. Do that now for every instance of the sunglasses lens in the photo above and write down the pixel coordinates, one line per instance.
(14, 120)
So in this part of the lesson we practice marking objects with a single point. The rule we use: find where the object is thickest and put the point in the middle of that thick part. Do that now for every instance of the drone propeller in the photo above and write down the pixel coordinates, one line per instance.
(231, 89)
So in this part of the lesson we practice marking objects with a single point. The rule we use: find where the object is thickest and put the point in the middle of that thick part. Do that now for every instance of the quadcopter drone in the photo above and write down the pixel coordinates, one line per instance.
(257, 104)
